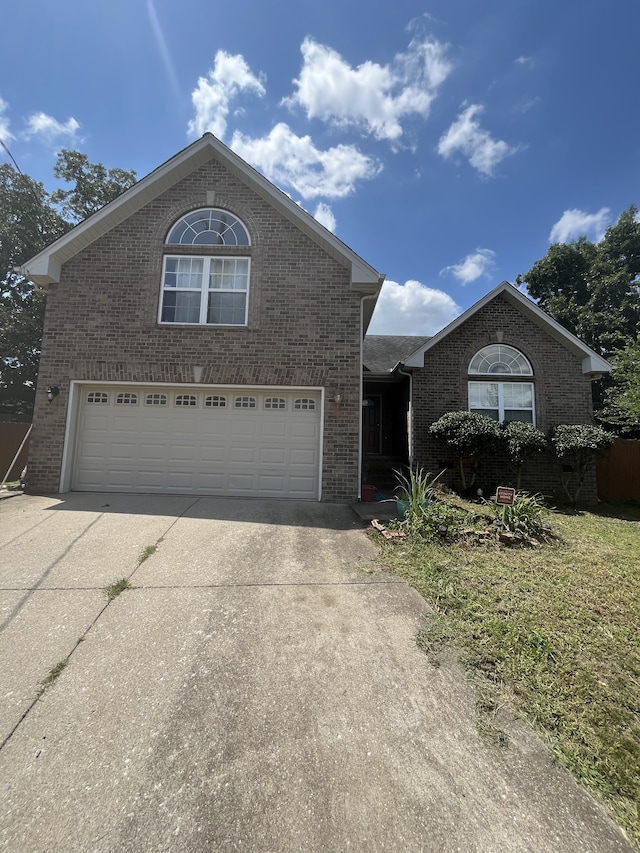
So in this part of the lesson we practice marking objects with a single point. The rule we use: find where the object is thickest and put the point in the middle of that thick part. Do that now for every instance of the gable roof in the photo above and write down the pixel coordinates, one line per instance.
(383, 353)
(592, 363)
(44, 268)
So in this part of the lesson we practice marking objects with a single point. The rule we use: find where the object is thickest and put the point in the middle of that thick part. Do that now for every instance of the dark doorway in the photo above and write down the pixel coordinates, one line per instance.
(371, 433)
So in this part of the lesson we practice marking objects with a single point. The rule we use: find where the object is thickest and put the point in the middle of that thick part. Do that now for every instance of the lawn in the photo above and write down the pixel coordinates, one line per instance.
(554, 629)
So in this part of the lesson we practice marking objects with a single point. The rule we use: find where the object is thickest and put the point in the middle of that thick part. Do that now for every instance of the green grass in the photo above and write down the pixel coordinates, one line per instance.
(52, 676)
(555, 631)
(148, 551)
(114, 589)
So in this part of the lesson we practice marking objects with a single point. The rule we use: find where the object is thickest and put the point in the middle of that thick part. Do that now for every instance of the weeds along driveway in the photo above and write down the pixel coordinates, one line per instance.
(258, 688)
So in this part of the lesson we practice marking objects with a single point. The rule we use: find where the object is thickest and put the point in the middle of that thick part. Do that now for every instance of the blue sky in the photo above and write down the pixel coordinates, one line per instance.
(446, 143)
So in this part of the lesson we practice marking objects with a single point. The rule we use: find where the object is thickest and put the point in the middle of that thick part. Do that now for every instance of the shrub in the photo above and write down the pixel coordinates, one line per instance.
(470, 437)
(523, 441)
(525, 516)
(577, 446)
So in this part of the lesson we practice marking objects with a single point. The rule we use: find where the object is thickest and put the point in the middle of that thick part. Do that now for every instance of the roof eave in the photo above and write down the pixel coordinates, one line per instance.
(592, 363)
(44, 268)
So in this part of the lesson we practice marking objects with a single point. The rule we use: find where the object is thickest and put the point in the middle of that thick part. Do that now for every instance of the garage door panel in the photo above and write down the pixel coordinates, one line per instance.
(197, 449)
(273, 455)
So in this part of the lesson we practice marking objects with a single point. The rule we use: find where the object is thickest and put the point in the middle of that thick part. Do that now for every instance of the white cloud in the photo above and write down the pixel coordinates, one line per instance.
(5, 133)
(524, 60)
(481, 149)
(325, 216)
(293, 160)
(411, 309)
(51, 130)
(211, 98)
(375, 97)
(478, 263)
(576, 223)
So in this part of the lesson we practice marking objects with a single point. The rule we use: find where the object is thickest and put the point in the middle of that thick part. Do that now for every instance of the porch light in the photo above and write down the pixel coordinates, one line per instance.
(52, 391)
(337, 398)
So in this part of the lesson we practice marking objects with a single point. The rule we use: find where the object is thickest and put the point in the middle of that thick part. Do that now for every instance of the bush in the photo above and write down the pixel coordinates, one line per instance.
(437, 520)
(523, 442)
(525, 516)
(577, 446)
(470, 436)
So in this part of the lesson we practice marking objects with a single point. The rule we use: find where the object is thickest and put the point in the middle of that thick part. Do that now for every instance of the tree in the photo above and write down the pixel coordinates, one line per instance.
(28, 222)
(30, 219)
(621, 408)
(523, 442)
(577, 446)
(470, 436)
(593, 289)
(93, 185)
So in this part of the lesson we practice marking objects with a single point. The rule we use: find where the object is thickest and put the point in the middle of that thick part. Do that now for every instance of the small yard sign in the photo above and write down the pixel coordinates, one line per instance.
(505, 495)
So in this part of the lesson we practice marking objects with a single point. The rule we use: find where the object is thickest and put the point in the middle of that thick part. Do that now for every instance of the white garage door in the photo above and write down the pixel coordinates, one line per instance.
(238, 441)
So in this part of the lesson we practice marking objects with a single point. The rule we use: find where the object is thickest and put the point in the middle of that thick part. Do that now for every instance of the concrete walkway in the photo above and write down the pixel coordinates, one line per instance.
(258, 689)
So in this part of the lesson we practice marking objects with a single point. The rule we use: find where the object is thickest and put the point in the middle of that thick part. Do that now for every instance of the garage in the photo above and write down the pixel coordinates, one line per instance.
(244, 442)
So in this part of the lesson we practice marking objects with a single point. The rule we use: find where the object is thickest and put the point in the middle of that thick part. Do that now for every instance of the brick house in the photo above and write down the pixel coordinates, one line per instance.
(203, 335)
(503, 357)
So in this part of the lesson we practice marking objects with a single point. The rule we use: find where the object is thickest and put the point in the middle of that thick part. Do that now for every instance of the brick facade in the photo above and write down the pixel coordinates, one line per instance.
(303, 327)
(562, 392)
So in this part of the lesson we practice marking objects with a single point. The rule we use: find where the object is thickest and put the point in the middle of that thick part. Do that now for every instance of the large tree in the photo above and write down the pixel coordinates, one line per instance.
(621, 408)
(30, 219)
(592, 288)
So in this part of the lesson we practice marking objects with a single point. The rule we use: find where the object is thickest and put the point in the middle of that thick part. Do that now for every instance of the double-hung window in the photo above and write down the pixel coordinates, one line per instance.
(209, 288)
(498, 398)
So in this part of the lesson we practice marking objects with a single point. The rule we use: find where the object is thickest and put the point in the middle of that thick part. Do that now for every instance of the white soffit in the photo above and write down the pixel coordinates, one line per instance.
(44, 268)
(591, 361)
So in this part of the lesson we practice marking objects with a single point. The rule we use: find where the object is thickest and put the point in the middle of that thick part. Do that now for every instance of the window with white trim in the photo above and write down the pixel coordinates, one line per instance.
(186, 400)
(155, 400)
(245, 402)
(275, 403)
(304, 404)
(215, 401)
(126, 399)
(504, 401)
(97, 397)
(206, 289)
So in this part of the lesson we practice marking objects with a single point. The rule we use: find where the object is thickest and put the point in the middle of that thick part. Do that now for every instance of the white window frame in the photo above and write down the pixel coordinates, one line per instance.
(501, 406)
(204, 289)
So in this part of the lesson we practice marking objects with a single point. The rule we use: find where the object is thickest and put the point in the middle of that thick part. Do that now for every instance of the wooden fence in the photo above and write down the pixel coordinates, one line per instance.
(618, 474)
(11, 435)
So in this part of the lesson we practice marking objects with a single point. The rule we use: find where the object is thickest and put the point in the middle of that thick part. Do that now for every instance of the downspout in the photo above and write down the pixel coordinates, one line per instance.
(409, 413)
(362, 300)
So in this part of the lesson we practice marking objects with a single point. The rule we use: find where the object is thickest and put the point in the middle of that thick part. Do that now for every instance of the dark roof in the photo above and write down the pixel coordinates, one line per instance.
(382, 352)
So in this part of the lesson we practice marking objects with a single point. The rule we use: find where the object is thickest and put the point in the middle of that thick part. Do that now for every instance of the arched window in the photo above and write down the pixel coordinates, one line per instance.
(208, 227)
(500, 358)
(500, 400)
(206, 289)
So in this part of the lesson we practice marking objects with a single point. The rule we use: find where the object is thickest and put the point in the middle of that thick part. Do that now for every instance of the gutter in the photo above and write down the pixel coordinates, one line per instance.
(409, 411)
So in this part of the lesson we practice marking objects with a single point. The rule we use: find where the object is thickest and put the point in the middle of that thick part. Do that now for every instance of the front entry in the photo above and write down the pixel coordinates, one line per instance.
(371, 432)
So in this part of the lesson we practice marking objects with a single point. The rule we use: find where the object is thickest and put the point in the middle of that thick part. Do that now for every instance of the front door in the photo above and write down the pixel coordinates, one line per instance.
(371, 424)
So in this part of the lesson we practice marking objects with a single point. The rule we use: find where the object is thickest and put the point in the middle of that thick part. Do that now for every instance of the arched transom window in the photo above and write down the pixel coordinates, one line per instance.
(208, 227)
(503, 401)
(201, 287)
(500, 358)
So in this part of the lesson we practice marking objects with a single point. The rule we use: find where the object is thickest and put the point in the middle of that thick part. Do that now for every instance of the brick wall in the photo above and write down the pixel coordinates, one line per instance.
(303, 327)
(562, 392)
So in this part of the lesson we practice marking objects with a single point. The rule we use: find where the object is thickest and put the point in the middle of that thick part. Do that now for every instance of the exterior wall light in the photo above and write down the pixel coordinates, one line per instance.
(52, 391)
(337, 398)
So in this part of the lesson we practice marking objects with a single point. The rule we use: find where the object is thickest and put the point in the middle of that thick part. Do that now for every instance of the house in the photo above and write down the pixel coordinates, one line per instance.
(503, 357)
(203, 336)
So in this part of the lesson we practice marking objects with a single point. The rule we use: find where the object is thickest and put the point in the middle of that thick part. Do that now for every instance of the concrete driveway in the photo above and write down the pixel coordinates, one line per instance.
(258, 689)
